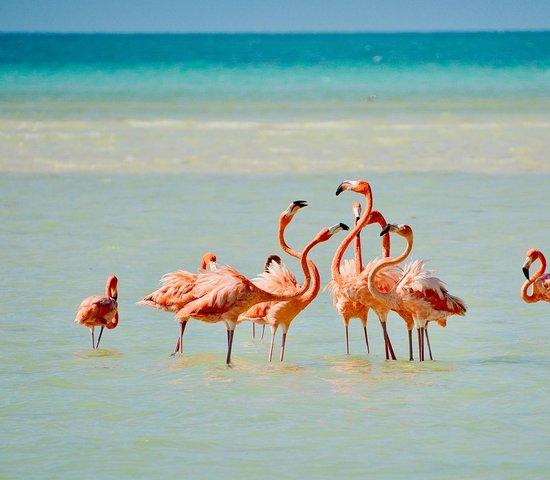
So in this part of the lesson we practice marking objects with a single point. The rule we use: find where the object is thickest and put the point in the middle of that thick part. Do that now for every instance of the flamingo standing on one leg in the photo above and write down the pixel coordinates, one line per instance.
(279, 279)
(418, 292)
(176, 292)
(100, 310)
(539, 280)
(224, 294)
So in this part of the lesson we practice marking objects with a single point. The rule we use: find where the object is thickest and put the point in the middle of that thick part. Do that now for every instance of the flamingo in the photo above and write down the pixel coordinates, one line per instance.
(271, 259)
(346, 307)
(176, 292)
(355, 287)
(279, 279)
(100, 310)
(418, 291)
(539, 280)
(224, 294)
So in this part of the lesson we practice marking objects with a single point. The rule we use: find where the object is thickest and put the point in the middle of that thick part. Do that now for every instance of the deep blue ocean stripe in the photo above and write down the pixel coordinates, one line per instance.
(489, 49)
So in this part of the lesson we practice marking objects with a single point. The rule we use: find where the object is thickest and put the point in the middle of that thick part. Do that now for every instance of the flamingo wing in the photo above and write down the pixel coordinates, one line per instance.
(543, 286)
(386, 279)
(97, 309)
(217, 292)
(278, 280)
(257, 312)
(421, 284)
(174, 292)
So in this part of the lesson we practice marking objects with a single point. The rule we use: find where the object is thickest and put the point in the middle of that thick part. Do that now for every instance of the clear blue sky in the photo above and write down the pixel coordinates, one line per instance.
(272, 15)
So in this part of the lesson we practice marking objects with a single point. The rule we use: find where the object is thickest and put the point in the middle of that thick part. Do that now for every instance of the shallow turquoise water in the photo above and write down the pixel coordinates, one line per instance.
(129, 410)
(135, 154)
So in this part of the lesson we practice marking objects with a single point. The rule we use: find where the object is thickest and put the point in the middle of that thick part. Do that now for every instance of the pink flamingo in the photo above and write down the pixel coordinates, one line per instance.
(539, 280)
(176, 291)
(418, 292)
(271, 259)
(100, 310)
(224, 294)
(356, 287)
(346, 307)
(279, 279)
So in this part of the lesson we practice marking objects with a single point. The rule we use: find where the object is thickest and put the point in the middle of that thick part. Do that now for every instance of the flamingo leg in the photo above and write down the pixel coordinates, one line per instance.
(366, 338)
(230, 334)
(418, 331)
(263, 332)
(179, 343)
(347, 339)
(271, 344)
(410, 345)
(389, 348)
(253, 330)
(428, 342)
(93, 341)
(177, 348)
(283, 347)
(385, 340)
(99, 339)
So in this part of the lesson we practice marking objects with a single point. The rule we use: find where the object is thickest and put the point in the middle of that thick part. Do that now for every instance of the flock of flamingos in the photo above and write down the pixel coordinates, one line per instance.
(219, 293)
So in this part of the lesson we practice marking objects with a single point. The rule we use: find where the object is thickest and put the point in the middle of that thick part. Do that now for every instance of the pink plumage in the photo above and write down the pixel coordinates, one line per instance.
(100, 310)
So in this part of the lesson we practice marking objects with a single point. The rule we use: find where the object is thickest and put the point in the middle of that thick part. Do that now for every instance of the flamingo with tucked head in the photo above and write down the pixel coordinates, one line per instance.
(224, 294)
(100, 310)
(418, 291)
(176, 291)
(540, 280)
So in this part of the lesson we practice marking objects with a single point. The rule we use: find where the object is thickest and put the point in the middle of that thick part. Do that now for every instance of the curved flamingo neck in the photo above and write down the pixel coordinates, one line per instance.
(283, 223)
(377, 217)
(524, 294)
(313, 271)
(315, 283)
(358, 254)
(337, 259)
(307, 275)
(387, 262)
(206, 259)
(111, 286)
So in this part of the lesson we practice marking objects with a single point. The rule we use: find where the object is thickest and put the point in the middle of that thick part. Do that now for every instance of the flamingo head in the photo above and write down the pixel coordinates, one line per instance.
(326, 233)
(207, 258)
(356, 208)
(530, 257)
(357, 186)
(292, 209)
(111, 287)
(271, 259)
(402, 230)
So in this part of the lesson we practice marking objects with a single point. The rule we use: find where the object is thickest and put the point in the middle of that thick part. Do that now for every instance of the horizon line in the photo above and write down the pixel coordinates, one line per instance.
(270, 32)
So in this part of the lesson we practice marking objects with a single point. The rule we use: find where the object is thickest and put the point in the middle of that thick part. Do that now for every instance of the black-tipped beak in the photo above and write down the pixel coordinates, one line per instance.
(525, 271)
(385, 230)
(343, 226)
(300, 203)
(340, 189)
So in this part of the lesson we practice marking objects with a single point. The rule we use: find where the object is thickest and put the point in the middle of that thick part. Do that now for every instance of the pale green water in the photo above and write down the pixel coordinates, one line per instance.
(134, 154)
(129, 411)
